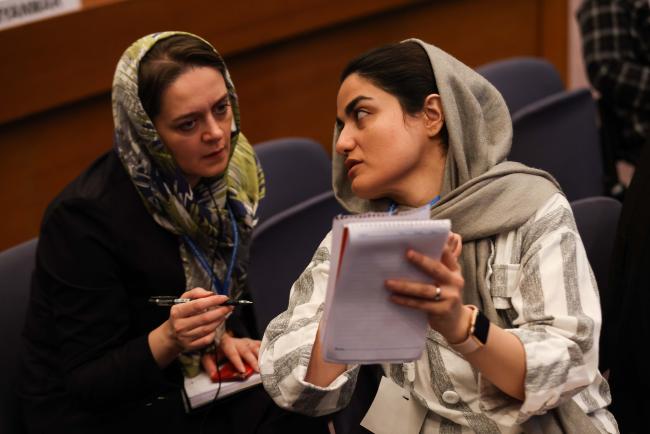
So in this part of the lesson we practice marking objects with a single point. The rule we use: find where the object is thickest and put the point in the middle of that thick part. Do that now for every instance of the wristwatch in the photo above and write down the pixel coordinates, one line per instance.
(477, 335)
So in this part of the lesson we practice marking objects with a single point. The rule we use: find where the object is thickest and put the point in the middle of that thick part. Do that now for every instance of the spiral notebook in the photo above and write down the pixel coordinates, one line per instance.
(361, 325)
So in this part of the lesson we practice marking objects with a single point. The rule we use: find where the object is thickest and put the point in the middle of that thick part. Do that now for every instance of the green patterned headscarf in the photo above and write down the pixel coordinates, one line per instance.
(199, 213)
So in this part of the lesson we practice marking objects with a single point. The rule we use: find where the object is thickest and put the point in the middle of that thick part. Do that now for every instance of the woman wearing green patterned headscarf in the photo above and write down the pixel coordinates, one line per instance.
(168, 212)
(177, 135)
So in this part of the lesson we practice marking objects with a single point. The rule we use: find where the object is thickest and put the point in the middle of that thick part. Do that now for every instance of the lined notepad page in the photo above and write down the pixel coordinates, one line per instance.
(361, 324)
(337, 230)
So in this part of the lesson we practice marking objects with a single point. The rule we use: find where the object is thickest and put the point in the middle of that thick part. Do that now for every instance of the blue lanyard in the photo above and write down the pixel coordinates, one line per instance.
(393, 206)
(221, 288)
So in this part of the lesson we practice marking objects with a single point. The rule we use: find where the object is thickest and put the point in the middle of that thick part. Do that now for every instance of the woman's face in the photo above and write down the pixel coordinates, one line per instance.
(195, 121)
(386, 150)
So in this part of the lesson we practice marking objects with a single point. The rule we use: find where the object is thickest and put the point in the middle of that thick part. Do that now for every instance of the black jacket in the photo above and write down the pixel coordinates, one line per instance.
(87, 364)
(626, 322)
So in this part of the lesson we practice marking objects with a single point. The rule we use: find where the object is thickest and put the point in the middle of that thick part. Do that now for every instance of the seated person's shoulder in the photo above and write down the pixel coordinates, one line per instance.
(84, 225)
(553, 216)
(556, 203)
(97, 193)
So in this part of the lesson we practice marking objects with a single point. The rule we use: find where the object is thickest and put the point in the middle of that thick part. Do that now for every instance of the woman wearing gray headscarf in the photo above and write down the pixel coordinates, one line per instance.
(514, 317)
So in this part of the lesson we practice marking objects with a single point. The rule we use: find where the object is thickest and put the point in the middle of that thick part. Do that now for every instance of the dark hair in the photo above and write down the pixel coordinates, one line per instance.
(403, 70)
(168, 59)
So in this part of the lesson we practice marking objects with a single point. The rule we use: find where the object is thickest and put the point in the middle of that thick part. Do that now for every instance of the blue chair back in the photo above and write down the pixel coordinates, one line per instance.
(559, 134)
(282, 248)
(522, 80)
(16, 268)
(295, 170)
(597, 222)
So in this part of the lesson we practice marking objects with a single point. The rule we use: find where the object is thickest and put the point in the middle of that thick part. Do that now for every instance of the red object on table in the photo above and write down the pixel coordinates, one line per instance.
(228, 372)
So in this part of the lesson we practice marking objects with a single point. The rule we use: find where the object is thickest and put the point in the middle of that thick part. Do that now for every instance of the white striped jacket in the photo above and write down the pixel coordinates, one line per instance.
(538, 275)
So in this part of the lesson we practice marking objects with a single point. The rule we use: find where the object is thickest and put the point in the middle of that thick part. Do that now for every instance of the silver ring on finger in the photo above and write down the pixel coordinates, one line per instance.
(437, 297)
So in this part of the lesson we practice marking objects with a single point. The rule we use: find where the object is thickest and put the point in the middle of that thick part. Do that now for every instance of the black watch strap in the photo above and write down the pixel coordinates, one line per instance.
(481, 328)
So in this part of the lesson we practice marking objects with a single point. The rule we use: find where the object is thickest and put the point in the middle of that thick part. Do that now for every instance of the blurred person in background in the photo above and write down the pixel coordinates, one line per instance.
(616, 48)
(626, 329)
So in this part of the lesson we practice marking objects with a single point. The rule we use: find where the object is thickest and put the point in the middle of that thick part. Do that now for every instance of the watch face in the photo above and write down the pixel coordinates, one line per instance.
(481, 328)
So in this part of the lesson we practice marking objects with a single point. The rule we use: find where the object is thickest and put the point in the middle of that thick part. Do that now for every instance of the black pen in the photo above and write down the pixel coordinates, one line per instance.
(164, 300)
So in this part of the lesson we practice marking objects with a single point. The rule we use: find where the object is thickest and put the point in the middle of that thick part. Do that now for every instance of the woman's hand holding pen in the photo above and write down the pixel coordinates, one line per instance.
(190, 326)
(442, 298)
(193, 325)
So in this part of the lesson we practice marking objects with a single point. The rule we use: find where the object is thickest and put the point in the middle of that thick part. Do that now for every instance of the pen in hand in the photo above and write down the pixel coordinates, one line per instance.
(164, 300)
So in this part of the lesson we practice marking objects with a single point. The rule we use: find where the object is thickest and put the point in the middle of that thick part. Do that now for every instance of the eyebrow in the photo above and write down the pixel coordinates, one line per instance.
(197, 113)
(349, 108)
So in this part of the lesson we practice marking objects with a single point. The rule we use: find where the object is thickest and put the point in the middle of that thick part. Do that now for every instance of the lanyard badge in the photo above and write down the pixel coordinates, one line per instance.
(221, 288)
(393, 206)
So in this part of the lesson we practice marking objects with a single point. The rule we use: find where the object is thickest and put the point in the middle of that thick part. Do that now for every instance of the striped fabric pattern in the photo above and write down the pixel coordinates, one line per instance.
(539, 279)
